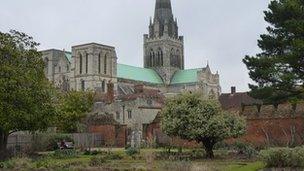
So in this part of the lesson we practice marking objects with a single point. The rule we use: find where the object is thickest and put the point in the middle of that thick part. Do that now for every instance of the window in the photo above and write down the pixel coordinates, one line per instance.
(87, 62)
(46, 65)
(80, 64)
(59, 69)
(130, 114)
(105, 64)
(82, 85)
(103, 86)
(68, 68)
(117, 115)
(99, 63)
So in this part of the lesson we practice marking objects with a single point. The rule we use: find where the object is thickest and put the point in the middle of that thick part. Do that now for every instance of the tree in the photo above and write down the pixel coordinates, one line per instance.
(26, 97)
(279, 69)
(73, 107)
(190, 117)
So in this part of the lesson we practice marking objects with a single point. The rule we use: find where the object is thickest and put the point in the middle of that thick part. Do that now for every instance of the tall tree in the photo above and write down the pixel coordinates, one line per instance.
(73, 107)
(26, 97)
(279, 69)
(190, 117)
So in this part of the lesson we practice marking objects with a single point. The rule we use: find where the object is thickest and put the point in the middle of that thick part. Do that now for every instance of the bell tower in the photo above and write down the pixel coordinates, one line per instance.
(163, 47)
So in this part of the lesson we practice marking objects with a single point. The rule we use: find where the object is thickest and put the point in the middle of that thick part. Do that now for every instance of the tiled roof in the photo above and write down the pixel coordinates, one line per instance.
(235, 100)
(185, 76)
(138, 74)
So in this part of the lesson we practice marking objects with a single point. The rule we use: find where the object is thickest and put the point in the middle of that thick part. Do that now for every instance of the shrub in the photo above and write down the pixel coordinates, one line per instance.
(88, 152)
(245, 149)
(17, 164)
(113, 156)
(283, 157)
(66, 153)
(97, 161)
(131, 151)
(198, 154)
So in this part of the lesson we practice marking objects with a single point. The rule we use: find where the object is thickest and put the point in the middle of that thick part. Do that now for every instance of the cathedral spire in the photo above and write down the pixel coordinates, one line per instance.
(163, 10)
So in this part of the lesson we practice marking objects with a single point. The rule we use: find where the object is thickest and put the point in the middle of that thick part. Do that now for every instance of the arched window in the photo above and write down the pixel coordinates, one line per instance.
(87, 62)
(160, 57)
(80, 63)
(105, 64)
(103, 86)
(177, 58)
(99, 63)
(152, 55)
(82, 85)
(172, 57)
(150, 58)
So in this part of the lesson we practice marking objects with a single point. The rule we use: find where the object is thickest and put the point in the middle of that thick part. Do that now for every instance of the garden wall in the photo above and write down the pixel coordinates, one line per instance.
(114, 135)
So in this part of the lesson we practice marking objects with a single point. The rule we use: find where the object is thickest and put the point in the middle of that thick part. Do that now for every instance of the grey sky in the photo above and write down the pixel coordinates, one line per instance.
(220, 31)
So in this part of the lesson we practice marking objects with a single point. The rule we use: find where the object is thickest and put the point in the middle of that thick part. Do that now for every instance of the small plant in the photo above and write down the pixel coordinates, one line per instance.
(198, 154)
(113, 156)
(283, 157)
(67, 153)
(245, 149)
(131, 151)
(97, 161)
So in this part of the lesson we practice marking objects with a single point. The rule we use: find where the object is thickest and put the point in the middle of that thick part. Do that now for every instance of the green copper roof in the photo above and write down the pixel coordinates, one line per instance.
(138, 74)
(185, 76)
(68, 56)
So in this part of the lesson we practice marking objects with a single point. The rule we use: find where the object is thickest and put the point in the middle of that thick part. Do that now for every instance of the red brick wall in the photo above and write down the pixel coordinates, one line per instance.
(276, 131)
(113, 135)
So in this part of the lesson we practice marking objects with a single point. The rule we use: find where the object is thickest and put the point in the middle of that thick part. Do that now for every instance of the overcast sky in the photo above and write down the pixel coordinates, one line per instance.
(219, 31)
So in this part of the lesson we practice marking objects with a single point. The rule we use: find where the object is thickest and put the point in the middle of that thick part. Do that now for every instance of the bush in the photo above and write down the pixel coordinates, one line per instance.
(283, 157)
(198, 154)
(131, 151)
(17, 164)
(113, 156)
(97, 161)
(245, 149)
(66, 153)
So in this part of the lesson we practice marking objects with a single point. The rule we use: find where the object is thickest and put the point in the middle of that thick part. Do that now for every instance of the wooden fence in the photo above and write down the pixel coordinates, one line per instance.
(21, 141)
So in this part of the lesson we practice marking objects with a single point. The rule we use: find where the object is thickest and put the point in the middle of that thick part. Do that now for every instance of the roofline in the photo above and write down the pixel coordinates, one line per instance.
(93, 43)
(54, 50)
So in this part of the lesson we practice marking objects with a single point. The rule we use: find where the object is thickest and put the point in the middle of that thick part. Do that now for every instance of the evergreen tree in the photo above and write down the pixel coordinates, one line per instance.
(279, 69)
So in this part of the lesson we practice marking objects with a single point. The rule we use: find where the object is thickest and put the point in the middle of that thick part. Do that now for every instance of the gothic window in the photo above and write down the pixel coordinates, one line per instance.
(59, 69)
(80, 63)
(160, 57)
(67, 68)
(87, 62)
(152, 58)
(103, 86)
(99, 63)
(82, 85)
(105, 64)
(130, 114)
(177, 58)
(172, 57)
(117, 115)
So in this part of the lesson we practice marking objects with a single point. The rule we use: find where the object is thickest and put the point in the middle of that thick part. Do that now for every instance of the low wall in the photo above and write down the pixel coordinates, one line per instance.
(113, 135)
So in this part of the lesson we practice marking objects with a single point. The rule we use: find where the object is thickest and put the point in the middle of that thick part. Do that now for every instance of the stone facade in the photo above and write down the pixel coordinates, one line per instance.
(94, 66)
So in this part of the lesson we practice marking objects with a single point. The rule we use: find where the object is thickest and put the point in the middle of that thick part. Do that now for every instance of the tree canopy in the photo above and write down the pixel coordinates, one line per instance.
(73, 107)
(190, 117)
(279, 69)
(26, 97)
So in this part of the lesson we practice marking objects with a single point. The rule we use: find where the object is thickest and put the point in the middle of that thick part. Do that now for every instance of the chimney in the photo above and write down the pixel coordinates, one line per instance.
(110, 92)
(233, 90)
(139, 88)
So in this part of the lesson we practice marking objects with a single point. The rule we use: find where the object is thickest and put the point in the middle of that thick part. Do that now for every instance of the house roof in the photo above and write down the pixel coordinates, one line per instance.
(236, 100)
(185, 76)
(138, 74)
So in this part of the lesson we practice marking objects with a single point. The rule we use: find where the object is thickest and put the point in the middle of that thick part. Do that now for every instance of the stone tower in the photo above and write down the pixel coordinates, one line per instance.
(163, 47)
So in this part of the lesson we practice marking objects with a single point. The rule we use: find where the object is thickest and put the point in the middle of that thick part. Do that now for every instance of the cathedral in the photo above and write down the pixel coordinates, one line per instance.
(136, 90)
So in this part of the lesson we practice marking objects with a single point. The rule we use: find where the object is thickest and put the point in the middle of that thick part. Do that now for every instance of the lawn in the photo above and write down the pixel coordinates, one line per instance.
(141, 161)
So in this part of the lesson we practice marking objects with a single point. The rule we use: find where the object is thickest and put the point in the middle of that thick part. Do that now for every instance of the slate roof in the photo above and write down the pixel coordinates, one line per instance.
(68, 55)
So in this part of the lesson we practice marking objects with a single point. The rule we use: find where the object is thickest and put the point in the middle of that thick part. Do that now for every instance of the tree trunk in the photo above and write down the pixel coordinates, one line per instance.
(209, 144)
(3, 144)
